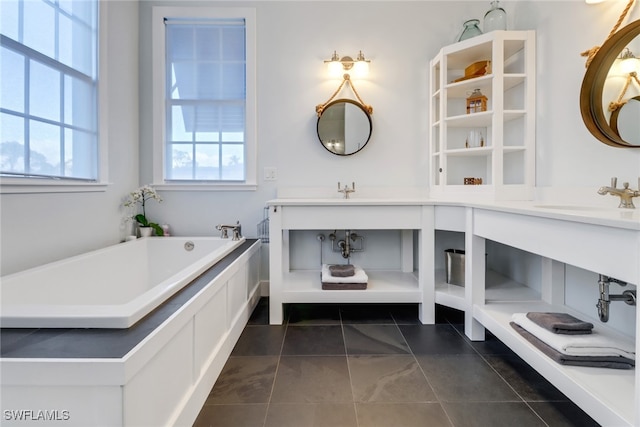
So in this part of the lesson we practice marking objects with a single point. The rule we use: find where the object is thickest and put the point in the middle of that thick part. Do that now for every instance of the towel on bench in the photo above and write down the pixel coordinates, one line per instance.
(342, 270)
(612, 362)
(595, 344)
(357, 281)
(560, 323)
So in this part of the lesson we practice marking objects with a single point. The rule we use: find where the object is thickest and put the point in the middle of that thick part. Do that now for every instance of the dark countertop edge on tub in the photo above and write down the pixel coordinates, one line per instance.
(76, 343)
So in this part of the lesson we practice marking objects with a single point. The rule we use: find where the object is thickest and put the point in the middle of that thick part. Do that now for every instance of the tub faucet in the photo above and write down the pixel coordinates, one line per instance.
(236, 229)
(626, 194)
(346, 190)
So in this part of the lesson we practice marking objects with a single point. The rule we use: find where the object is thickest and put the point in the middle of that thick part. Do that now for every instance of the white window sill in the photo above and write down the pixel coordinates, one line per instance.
(38, 185)
(204, 186)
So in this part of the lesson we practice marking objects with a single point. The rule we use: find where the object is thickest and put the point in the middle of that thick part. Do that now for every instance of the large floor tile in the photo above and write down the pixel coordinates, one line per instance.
(260, 341)
(449, 315)
(393, 378)
(405, 314)
(492, 414)
(374, 339)
(366, 313)
(314, 340)
(252, 415)
(491, 344)
(260, 315)
(464, 378)
(314, 314)
(563, 414)
(401, 415)
(435, 339)
(245, 380)
(311, 415)
(312, 379)
(525, 380)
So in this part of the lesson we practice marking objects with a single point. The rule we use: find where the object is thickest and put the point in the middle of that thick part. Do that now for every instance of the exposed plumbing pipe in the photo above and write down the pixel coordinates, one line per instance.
(320, 238)
(345, 246)
(605, 298)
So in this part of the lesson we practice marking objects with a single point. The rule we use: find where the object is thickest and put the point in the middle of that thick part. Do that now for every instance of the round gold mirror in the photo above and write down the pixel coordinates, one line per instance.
(592, 102)
(344, 127)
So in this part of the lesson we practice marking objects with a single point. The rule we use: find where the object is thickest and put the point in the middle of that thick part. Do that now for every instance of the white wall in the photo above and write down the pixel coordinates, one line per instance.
(39, 228)
(294, 37)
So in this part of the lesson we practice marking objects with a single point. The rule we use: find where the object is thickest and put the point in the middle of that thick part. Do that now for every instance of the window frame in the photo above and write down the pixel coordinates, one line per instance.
(159, 13)
(28, 184)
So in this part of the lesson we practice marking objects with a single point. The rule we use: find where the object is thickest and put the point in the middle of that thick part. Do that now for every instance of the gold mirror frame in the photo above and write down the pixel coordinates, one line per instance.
(591, 103)
(345, 147)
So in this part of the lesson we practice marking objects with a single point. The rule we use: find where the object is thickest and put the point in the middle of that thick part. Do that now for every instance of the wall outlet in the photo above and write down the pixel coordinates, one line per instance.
(270, 174)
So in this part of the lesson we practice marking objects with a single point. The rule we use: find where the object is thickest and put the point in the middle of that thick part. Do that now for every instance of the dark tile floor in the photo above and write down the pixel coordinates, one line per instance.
(376, 365)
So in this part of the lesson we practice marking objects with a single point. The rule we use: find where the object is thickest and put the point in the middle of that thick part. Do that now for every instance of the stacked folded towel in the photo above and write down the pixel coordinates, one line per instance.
(338, 277)
(585, 349)
(342, 270)
(561, 323)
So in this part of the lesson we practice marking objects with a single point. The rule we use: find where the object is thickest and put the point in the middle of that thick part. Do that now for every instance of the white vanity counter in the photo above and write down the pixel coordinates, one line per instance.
(605, 240)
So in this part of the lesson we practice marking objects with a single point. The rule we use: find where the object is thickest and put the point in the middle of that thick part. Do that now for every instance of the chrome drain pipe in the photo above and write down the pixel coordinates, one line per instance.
(605, 298)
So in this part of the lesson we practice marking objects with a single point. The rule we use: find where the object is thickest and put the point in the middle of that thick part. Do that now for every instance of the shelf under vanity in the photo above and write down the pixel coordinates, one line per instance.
(498, 288)
(607, 395)
(557, 238)
(383, 286)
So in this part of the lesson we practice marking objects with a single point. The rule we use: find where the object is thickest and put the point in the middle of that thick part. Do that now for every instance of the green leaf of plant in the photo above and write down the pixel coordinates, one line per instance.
(142, 220)
(157, 228)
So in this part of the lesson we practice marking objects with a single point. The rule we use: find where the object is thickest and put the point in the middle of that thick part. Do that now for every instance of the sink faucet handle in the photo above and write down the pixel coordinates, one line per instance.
(614, 182)
(223, 231)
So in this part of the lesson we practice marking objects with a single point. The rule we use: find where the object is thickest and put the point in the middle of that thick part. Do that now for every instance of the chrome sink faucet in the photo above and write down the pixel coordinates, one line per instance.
(626, 194)
(237, 230)
(346, 190)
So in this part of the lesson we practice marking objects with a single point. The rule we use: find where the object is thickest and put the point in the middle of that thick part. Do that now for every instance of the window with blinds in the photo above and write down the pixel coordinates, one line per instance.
(205, 103)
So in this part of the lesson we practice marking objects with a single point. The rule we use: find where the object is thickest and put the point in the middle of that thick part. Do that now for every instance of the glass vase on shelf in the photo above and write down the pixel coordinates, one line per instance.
(495, 18)
(470, 29)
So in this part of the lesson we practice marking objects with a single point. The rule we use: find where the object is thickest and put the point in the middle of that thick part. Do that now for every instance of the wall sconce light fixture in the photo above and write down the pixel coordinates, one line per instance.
(630, 67)
(338, 66)
(589, 54)
(629, 63)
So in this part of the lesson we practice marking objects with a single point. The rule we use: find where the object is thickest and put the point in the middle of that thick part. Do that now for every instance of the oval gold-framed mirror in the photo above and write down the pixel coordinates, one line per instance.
(591, 93)
(344, 127)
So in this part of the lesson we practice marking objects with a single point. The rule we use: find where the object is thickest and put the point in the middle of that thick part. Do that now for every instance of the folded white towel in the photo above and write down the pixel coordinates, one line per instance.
(359, 276)
(594, 344)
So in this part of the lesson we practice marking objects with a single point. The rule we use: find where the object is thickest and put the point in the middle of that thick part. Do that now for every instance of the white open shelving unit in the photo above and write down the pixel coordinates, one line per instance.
(506, 163)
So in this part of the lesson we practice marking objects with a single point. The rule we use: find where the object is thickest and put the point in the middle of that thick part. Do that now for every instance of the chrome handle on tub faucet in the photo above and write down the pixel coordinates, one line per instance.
(237, 230)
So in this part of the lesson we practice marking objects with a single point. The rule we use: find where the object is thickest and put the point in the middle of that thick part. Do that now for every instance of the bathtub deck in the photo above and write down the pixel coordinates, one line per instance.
(104, 343)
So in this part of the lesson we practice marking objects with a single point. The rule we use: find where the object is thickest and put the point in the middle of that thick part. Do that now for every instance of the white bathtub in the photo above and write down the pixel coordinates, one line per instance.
(112, 287)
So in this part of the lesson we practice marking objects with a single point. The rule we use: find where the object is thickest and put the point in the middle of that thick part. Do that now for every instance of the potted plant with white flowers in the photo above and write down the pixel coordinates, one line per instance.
(140, 196)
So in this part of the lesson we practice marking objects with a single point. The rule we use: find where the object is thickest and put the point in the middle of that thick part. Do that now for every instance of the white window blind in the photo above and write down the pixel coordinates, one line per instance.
(205, 106)
(48, 107)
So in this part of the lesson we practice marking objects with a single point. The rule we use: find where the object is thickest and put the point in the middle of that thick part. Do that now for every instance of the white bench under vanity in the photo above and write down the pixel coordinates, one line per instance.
(539, 250)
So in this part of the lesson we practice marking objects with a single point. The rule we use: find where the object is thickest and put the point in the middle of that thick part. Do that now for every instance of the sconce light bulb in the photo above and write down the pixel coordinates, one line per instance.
(335, 69)
(360, 69)
(630, 65)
